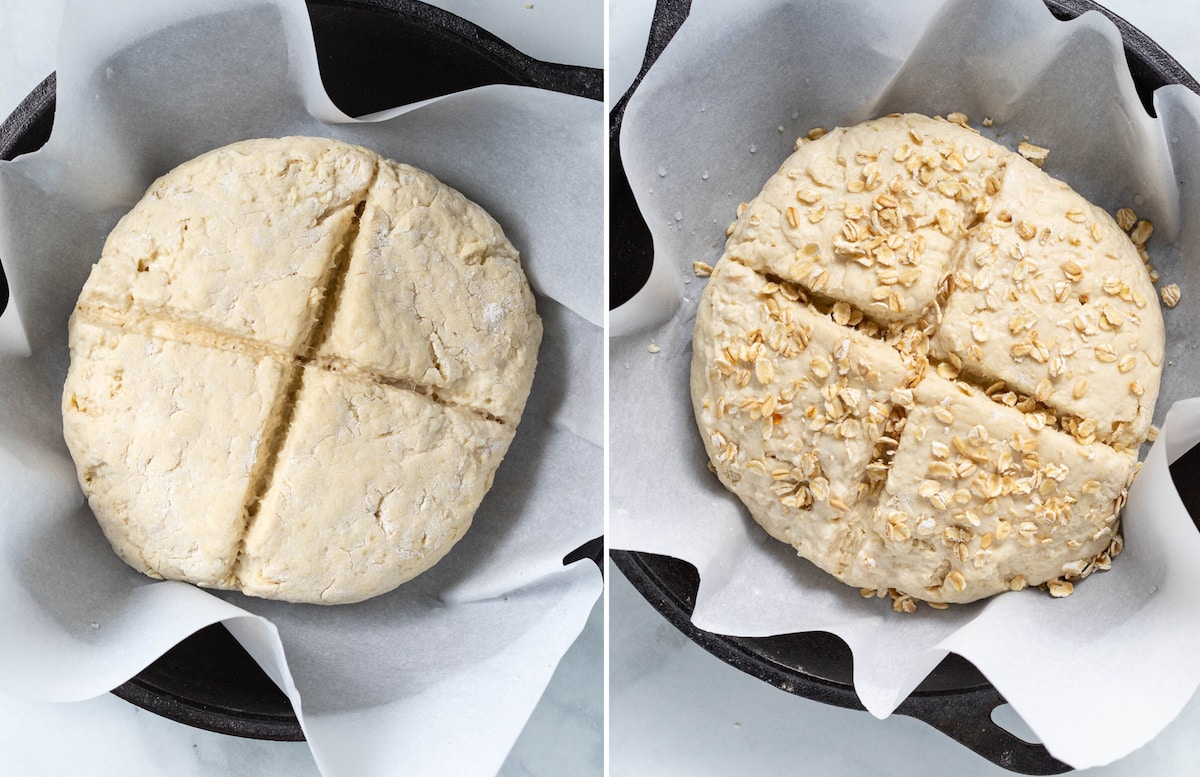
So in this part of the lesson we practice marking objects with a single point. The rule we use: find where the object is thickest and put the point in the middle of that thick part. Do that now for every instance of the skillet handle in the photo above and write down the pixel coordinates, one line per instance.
(971, 725)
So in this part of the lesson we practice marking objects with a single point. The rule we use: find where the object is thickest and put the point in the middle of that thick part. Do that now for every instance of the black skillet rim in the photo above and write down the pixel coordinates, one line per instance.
(669, 584)
(167, 687)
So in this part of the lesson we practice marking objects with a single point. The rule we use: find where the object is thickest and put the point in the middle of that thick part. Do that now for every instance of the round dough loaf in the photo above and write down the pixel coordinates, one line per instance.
(295, 370)
(928, 365)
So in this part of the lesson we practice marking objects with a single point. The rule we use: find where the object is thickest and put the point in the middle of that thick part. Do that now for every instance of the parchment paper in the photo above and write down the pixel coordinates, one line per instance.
(440, 676)
(1095, 675)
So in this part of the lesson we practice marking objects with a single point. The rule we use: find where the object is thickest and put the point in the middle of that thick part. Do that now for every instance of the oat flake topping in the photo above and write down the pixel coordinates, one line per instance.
(928, 365)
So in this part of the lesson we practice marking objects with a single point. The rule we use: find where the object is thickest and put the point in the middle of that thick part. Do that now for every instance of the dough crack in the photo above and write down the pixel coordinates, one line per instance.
(332, 288)
(145, 322)
(279, 423)
(351, 371)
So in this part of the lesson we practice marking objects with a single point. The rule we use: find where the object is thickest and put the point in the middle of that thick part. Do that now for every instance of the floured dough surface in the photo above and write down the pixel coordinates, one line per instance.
(927, 365)
(212, 244)
(158, 428)
(295, 370)
(437, 271)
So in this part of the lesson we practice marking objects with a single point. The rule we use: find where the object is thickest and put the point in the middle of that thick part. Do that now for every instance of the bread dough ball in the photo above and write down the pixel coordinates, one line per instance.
(295, 370)
(928, 365)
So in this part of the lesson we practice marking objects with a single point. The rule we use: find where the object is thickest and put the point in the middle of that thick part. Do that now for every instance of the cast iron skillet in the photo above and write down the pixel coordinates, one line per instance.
(208, 680)
(955, 699)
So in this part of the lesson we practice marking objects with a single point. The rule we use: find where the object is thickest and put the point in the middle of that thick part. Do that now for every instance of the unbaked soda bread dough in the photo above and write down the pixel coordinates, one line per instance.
(295, 370)
(928, 365)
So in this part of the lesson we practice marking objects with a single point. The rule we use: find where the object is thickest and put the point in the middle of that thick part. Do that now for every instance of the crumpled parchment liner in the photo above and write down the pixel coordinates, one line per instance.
(440, 676)
(1095, 675)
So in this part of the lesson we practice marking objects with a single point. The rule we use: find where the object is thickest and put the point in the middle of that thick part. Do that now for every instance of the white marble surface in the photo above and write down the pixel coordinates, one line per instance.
(674, 709)
(107, 736)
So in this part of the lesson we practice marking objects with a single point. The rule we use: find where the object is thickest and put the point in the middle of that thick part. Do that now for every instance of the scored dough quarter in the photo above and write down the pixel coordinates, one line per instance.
(437, 271)
(160, 429)
(927, 365)
(400, 470)
(294, 371)
(236, 241)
